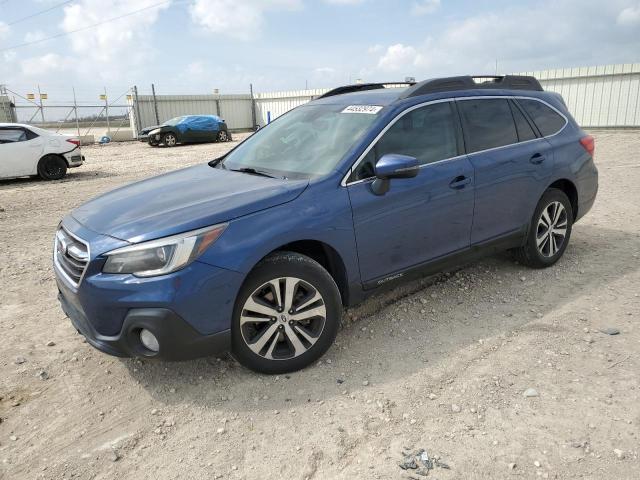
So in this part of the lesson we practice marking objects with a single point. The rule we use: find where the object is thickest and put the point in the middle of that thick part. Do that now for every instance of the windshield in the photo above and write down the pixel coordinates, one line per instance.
(307, 141)
(174, 121)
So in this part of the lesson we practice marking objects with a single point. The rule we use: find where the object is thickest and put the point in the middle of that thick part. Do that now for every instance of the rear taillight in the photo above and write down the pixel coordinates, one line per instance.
(74, 141)
(589, 144)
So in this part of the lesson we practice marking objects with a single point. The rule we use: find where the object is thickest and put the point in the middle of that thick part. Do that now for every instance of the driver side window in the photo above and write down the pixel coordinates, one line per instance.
(427, 133)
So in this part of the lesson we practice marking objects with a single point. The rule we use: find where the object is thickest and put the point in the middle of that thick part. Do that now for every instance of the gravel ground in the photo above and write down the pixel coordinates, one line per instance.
(496, 371)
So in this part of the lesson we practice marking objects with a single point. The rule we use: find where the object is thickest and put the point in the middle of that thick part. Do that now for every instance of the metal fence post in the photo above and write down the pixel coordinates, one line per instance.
(155, 103)
(137, 110)
(41, 107)
(253, 107)
(106, 109)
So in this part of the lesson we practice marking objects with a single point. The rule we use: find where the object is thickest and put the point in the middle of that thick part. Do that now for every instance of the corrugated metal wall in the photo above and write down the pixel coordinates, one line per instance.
(234, 109)
(273, 104)
(605, 96)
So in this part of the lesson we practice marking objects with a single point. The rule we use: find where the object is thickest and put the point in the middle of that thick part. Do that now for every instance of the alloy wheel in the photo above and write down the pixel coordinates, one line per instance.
(222, 136)
(552, 229)
(170, 140)
(283, 318)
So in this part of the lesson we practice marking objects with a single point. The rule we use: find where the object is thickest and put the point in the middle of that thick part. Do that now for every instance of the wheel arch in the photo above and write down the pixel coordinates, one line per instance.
(325, 255)
(51, 154)
(570, 190)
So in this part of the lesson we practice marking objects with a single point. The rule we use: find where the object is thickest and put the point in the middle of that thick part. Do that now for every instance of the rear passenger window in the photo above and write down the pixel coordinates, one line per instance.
(525, 132)
(427, 133)
(12, 135)
(546, 119)
(487, 124)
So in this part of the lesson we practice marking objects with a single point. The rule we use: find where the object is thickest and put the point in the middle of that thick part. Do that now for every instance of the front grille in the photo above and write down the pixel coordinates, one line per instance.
(71, 255)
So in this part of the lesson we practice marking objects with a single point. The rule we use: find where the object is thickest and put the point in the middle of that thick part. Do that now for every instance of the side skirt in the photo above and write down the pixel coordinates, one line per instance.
(438, 265)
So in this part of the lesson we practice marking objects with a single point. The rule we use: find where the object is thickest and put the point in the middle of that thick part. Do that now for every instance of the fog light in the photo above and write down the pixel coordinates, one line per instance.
(149, 340)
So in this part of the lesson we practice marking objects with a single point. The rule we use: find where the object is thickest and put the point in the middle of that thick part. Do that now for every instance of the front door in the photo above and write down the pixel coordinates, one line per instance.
(422, 218)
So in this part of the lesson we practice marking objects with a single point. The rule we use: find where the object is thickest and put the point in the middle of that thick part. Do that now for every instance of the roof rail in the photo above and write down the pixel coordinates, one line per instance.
(475, 82)
(360, 87)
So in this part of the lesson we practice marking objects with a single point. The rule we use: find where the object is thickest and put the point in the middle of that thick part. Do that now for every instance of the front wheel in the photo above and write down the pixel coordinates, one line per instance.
(169, 140)
(549, 231)
(286, 315)
(52, 167)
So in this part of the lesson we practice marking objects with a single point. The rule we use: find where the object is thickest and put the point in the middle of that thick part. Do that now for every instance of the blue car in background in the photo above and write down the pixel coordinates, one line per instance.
(187, 129)
(257, 252)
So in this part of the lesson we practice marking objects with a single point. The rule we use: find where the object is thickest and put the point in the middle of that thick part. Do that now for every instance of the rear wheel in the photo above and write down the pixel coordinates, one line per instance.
(286, 315)
(169, 140)
(549, 231)
(52, 167)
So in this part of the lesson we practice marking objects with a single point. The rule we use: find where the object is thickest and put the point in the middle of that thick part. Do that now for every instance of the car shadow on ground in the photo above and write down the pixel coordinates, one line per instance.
(396, 334)
(71, 176)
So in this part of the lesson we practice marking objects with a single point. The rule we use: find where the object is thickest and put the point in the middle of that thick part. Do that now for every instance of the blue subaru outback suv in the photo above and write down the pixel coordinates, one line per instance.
(258, 251)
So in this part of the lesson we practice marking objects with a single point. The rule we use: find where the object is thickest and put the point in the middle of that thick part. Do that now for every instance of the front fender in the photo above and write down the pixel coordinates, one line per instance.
(321, 213)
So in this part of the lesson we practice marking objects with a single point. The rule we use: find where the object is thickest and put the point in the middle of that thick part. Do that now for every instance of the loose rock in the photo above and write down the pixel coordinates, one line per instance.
(530, 392)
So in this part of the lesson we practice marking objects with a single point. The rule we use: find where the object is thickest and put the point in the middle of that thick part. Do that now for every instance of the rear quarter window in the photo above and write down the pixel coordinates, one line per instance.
(487, 123)
(546, 118)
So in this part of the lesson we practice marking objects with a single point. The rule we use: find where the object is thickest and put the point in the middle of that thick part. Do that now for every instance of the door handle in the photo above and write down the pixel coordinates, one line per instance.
(537, 159)
(459, 182)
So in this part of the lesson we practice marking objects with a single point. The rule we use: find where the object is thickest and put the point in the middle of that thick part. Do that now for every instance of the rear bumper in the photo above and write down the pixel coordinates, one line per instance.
(74, 159)
(177, 339)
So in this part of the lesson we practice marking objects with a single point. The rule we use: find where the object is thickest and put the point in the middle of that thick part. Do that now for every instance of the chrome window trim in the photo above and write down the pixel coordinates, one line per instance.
(356, 164)
(56, 263)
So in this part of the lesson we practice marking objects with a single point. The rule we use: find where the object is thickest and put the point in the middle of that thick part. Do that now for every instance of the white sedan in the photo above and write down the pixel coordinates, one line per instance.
(27, 150)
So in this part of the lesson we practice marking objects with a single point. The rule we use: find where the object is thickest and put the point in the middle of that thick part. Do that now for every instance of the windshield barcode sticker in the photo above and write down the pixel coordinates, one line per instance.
(369, 109)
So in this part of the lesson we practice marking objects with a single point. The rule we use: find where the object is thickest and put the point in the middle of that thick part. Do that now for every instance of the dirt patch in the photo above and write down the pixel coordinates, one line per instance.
(441, 366)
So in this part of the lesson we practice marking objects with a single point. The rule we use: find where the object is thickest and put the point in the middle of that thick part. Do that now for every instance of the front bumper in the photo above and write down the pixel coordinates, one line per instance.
(176, 338)
(189, 311)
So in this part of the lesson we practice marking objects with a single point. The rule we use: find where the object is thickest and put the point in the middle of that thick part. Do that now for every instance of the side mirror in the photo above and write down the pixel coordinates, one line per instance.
(390, 166)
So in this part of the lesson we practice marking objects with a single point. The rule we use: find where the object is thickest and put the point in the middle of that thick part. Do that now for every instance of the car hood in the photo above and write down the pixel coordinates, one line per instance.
(183, 200)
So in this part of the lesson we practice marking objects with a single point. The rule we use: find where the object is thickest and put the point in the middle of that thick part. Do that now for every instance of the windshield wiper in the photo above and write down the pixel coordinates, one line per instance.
(253, 171)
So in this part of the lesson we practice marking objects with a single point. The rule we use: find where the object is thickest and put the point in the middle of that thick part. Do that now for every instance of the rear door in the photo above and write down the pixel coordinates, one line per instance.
(20, 150)
(422, 218)
(512, 166)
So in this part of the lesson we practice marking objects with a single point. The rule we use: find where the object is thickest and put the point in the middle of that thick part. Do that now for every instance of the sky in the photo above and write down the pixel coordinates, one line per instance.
(195, 46)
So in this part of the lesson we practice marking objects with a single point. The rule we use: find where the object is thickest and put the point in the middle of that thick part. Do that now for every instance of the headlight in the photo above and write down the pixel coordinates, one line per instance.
(166, 255)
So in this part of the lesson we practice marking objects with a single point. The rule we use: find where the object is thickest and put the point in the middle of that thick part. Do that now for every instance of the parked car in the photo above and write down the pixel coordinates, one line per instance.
(187, 129)
(258, 251)
(27, 150)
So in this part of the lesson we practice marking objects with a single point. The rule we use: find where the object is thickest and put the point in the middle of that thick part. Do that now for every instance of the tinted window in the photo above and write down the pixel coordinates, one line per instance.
(487, 124)
(546, 119)
(427, 133)
(11, 135)
(525, 132)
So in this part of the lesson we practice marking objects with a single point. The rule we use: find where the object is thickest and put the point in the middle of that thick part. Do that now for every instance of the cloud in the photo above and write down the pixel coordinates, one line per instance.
(34, 36)
(45, 65)
(4, 30)
(118, 42)
(398, 57)
(241, 19)
(325, 70)
(425, 7)
(587, 35)
(630, 16)
(375, 48)
(344, 2)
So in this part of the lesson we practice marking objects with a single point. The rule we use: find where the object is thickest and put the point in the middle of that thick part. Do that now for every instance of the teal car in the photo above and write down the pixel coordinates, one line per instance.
(187, 129)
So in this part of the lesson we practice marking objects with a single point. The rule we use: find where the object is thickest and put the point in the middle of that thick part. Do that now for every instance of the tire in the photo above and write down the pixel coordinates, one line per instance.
(541, 249)
(169, 140)
(268, 338)
(52, 167)
(152, 143)
(223, 136)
